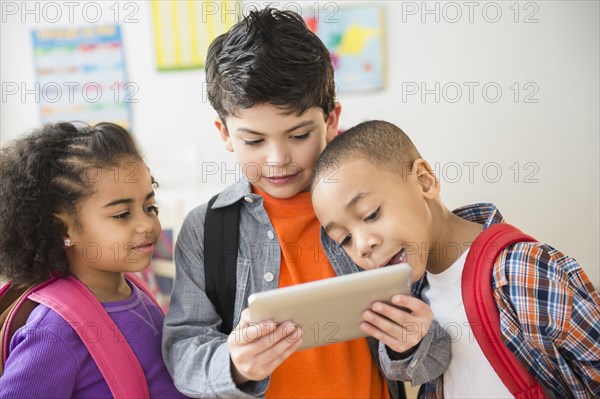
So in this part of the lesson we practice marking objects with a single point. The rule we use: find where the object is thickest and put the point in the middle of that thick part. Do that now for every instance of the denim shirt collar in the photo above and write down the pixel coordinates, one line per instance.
(234, 193)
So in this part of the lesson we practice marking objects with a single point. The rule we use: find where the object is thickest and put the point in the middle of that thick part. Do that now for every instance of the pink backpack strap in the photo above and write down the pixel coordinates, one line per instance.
(118, 364)
(482, 311)
(142, 285)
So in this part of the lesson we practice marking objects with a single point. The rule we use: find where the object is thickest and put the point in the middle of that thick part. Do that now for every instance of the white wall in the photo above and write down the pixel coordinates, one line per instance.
(553, 143)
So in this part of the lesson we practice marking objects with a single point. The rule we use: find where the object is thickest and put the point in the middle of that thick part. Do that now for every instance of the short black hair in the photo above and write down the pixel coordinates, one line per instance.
(270, 57)
(43, 173)
(382, 143)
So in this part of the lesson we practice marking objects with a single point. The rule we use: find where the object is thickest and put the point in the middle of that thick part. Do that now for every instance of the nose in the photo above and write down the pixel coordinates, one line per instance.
(365, 243)
(146, 223)
(279, 156)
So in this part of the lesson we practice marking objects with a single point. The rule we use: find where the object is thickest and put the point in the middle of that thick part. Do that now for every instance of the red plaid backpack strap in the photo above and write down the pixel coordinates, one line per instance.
(482, 311)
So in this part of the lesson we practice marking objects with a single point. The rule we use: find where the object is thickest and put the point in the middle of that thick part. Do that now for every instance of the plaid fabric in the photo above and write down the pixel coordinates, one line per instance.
(549, 314)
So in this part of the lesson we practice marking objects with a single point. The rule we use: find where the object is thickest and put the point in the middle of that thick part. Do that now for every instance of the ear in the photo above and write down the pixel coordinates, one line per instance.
(333, 120)
(224, 134)
(68, 223)
(426, 178)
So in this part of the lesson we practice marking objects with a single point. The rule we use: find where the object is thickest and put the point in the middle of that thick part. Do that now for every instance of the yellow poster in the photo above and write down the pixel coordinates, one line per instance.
(183, 30)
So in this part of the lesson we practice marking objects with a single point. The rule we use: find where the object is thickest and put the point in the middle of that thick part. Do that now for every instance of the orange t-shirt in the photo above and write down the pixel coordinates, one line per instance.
(342, 370)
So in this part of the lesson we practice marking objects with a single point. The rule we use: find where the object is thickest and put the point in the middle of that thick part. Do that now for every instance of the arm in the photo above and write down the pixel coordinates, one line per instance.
(564, 329)
(202, 361)
(195, 352)
(423, 363)
(412, 347)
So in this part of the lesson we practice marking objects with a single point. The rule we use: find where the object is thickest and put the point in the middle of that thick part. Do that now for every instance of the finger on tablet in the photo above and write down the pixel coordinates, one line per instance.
(286, 347)
(244, 317)
(253, 332)
(383, 323)
(398, 338)
(373, 331)
(412, 304)
(397, 315)
(278, 353)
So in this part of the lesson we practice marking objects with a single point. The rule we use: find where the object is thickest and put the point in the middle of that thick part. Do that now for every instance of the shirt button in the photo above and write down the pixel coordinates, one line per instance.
(269, 277)
(248, 200)
(270, 235)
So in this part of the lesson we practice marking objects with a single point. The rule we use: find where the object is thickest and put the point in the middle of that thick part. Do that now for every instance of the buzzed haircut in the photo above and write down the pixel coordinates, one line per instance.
(382, 143)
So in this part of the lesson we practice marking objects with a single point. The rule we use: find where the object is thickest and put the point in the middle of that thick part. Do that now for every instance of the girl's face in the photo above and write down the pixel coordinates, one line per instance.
(117, 225)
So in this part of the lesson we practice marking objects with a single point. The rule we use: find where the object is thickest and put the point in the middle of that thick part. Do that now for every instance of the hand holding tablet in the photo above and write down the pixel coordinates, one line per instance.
(331, 310)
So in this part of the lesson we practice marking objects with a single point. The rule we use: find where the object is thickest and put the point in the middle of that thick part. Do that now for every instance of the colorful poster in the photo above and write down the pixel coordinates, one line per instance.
(183, 30)
(355, 39)
(80, 75)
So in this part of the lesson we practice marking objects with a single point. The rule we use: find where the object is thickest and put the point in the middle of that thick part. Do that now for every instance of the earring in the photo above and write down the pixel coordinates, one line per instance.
(67, 242)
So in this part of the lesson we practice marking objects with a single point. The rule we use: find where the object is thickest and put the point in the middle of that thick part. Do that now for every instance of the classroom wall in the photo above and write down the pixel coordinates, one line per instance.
(531, 148)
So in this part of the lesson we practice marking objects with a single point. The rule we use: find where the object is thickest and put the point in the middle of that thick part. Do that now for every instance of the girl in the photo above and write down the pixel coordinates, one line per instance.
(78, 201)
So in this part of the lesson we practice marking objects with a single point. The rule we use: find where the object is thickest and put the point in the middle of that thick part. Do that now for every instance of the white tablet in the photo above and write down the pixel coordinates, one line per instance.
(330, 310)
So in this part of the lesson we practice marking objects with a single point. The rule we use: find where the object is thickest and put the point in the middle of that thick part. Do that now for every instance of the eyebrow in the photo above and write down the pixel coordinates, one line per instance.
(298, 126)
(356, 198)
(349, 205)
(127, 200)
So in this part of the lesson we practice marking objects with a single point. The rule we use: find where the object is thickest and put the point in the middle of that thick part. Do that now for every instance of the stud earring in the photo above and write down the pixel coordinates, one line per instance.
(67, 242)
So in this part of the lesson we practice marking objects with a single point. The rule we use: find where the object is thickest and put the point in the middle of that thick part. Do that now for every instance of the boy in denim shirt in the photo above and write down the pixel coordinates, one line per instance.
(271, 83)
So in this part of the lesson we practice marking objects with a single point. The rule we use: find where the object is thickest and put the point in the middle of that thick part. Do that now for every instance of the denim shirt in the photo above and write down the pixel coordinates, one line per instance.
(196, 353)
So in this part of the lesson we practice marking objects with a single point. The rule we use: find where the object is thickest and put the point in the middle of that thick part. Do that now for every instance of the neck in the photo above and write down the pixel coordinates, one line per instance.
(107, 287)
(453, 237)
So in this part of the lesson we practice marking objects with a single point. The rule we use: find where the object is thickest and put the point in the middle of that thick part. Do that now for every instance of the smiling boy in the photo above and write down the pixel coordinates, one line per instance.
(383, 203)
(270, 80)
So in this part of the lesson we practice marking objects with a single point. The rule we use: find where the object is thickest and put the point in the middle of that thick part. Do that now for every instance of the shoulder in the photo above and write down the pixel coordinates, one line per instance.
(45, 327)
(545, 292)
(539, 283)
(196, 216)
(527, 263)
(193, 224)
(44, 317)
(192, 229)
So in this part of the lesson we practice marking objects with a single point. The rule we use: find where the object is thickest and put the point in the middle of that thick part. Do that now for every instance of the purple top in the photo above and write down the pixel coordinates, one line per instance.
(48, 359)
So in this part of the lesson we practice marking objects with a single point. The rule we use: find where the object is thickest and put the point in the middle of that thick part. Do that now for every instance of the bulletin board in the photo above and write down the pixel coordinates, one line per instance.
(354, 36)
(183, 30)
(80, 75)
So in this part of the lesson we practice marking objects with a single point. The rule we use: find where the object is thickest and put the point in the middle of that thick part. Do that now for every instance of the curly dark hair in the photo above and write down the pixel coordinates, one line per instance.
(270, 57)
(44, 173)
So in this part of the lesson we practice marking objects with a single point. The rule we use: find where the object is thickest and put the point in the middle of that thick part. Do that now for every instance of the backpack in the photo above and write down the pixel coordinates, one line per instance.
(482, 312)
(221, 237)
(221, 241)
(71, 299)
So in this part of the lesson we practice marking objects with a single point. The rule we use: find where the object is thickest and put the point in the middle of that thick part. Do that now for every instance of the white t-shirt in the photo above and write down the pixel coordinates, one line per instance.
(469, 374)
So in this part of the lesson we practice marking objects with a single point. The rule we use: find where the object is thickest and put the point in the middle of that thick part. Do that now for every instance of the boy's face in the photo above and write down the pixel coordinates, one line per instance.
(377, 216)
(277, 151)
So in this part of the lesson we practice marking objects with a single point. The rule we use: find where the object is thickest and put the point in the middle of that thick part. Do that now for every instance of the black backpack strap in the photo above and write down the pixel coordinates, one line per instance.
(221, 237)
